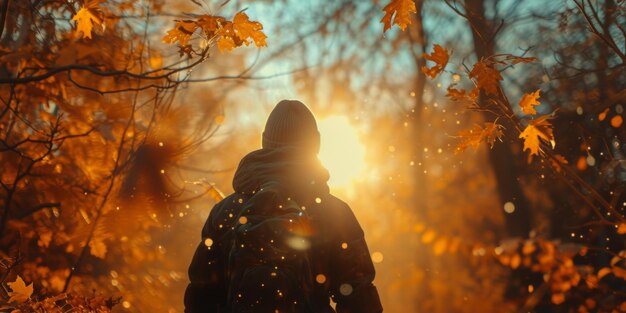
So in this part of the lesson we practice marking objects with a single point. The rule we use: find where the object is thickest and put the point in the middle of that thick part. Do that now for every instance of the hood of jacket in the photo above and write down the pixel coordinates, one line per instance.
(299, 174)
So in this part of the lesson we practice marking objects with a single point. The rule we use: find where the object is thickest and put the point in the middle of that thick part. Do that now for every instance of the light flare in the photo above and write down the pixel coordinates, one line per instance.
(341, 151)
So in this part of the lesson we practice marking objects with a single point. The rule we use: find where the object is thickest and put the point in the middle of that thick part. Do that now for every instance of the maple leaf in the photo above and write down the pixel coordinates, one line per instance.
(86, 17)
(181, 32)
(244, 29)
(473, 137)
(486, 76)
(210, 24)
(20, 292)
(226, 43)
(529, 101)
(460, 95)
(402, 10)
(536, 129)
(440, 56)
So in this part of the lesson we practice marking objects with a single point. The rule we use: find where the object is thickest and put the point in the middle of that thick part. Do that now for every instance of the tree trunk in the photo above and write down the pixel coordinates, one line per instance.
(501, 157)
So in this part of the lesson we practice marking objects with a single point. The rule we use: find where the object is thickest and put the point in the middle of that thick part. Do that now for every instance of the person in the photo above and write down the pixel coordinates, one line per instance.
(332, 257)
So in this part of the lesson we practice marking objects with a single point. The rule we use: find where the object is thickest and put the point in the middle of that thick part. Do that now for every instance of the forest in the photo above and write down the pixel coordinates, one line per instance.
(480, 143)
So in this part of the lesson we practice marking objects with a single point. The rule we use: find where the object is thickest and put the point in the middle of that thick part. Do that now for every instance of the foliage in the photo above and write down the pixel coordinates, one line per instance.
(91, 135)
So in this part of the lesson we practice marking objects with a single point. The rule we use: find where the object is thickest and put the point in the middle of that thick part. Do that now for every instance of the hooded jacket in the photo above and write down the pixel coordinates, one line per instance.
(338, 249)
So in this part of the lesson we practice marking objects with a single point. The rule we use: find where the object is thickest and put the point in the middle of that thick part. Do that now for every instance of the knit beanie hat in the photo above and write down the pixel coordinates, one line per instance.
(291, 123)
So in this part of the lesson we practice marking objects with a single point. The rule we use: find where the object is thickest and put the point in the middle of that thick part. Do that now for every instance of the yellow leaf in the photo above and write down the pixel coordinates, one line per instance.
(20, 292)
(537, 128)
(86, 17)
(486, 77)
(181, 32)
(440, 56)
(246, 29)
(402, 10)
(529, 101)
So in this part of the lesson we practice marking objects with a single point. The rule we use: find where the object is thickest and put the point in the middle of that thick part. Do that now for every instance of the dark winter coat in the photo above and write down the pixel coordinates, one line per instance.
(338, 249)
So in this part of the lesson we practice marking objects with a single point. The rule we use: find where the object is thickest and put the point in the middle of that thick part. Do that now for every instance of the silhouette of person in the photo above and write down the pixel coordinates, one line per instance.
(281, 242)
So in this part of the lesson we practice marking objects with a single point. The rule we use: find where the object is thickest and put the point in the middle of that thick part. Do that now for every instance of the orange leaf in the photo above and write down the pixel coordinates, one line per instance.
(486, 76)
(20, 292)
(244, 29)
(473, 137)
(440, 56)
(210, 24)
(621, 229)
(402, 10)
(86, 17)
(537, 128)
(529, 101)
(226, 43)
(181, 32)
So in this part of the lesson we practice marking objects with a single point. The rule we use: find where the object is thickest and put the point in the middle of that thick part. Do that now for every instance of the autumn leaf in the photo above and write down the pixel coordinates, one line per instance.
(440, 56)
(486, 77)
(86, 17)
(402, 10)
(621, 229)
(536, 129)
(20, 292)
(226, 43)
(473, 137)
(529, 101)
(461, 95)
(210, 24)
(181, 32)
(246, 29)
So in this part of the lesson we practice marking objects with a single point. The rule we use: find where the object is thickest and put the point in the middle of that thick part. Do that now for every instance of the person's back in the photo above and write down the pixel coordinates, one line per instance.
(282, 229)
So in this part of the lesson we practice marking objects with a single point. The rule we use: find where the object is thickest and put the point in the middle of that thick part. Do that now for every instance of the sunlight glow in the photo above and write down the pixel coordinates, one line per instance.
(341, 151)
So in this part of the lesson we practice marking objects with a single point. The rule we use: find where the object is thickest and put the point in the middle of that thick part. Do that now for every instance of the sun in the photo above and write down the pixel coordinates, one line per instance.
(341, 151)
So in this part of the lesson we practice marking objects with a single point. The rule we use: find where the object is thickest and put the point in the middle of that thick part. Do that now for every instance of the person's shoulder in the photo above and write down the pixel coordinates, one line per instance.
(335, 207)
(336, 203)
